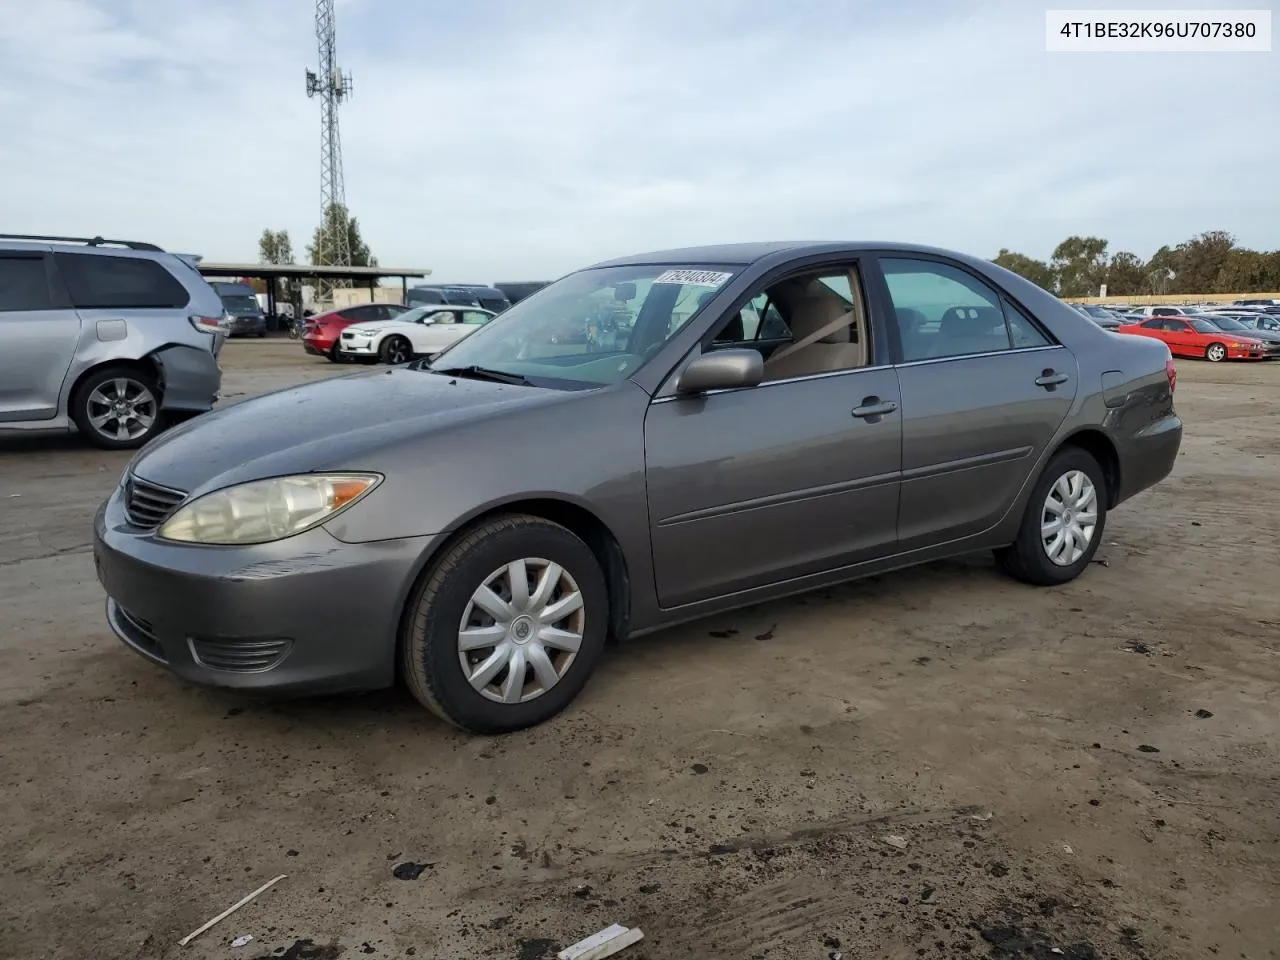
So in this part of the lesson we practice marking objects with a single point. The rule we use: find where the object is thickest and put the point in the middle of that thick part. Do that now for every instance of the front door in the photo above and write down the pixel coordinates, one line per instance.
(984, 390)
(795, 476)
(39, 332)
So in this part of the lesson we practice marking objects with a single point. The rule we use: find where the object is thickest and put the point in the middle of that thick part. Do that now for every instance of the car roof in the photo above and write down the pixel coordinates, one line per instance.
(741, 254)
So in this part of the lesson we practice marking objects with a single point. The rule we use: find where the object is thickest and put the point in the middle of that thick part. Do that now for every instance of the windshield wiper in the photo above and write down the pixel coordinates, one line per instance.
(484, 373)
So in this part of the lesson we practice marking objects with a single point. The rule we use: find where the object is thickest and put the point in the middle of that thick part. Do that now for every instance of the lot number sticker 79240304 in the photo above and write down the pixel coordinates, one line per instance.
(698, 278)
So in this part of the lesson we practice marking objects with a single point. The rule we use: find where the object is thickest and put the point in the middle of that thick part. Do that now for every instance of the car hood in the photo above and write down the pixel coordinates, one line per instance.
(327, 425)
(368, 327)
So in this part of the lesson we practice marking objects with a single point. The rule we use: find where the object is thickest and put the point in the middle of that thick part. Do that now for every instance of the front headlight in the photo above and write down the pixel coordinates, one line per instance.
(265, 510)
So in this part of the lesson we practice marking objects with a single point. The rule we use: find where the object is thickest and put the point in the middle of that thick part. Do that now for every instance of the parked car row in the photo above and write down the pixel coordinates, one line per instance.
(389, 332)
(1244, 330)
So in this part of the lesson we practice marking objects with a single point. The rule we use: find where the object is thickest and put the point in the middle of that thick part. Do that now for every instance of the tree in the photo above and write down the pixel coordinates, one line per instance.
(337, 219)
(1201, 262)
(1126, 275)
(274, 247)
(1080, 264)
(1037, 271)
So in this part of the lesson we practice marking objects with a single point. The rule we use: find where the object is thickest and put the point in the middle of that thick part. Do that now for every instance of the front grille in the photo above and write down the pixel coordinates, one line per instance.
(240, 656)
(348, 336)
(147, 504)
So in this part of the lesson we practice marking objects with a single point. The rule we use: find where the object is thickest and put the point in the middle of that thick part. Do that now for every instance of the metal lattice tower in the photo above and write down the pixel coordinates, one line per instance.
(332, 87)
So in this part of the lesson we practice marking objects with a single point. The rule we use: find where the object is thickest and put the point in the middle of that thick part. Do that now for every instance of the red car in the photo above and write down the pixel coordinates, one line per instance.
(321, 333)
(1193, 337)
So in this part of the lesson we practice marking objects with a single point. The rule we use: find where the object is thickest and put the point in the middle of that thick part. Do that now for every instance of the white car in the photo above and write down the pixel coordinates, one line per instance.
(420, 332)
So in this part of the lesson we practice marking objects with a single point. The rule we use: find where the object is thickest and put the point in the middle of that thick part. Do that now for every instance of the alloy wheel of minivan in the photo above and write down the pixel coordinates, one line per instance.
(117, 408)
(506, 626)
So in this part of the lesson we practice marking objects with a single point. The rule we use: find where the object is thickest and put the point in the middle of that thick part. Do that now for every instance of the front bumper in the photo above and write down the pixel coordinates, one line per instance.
(239, 326)
(305, 615)
(358, 347)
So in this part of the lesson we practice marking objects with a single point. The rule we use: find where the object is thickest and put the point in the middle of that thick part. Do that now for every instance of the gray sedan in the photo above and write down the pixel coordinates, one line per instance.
(754, 420)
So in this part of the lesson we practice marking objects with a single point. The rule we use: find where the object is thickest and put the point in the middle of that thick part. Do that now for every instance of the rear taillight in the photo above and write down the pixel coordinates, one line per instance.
(1171, 372)
(206, 324)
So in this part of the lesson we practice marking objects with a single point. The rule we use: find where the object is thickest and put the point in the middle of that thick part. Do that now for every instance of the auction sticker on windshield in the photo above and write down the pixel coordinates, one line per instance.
(698, 278)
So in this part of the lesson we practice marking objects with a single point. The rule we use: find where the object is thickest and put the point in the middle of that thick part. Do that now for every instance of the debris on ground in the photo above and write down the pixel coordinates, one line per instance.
(408, 870)
(1204, 714)
(603, 944)
(895, 841)
(243, 940)
(229, 911)
(1147, 748)
(1137, 646)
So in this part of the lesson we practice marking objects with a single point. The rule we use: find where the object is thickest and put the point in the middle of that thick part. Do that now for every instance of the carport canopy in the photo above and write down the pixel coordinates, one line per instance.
(308, 271)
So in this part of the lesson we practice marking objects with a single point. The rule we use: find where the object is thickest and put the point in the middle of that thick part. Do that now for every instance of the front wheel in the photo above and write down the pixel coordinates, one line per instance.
(117, 408)
(335, 355)
(396, 349)
(1063, 523)
(1215, 353)
(507, 627)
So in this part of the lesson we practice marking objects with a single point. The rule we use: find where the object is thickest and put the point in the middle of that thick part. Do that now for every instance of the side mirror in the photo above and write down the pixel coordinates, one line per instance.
(721, 370)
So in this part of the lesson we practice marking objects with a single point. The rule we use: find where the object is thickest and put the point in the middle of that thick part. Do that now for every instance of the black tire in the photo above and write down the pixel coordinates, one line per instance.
(1215, 352)
(261, 334)
(1027, 559)
(396, 349)
(429, 653)
(335, 355)
(85, 404)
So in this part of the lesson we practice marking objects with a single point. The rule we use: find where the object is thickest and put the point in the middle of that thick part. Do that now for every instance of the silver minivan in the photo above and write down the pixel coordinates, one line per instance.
(115, 338)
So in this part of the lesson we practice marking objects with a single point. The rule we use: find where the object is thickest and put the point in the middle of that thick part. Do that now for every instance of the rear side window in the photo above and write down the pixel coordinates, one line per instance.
(24, 284)
(105, 282)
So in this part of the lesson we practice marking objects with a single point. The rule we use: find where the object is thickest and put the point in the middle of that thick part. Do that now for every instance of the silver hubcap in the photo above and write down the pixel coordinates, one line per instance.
(521, 631)
(122, 409)
(1216, 352)
(1069, 518)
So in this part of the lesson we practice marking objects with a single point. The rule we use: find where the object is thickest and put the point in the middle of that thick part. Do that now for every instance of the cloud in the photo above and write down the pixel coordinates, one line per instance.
(521, 140)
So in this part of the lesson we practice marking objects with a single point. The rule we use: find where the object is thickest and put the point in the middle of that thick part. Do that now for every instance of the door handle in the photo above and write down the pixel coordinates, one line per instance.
(1049, 379)
(873, 408)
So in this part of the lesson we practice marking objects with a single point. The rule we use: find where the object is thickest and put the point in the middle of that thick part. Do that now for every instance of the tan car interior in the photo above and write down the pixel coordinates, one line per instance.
(827, 334)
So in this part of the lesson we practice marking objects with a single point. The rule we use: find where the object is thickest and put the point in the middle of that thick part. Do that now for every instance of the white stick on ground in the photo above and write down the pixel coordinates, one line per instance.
(229, 911)
(603, 944)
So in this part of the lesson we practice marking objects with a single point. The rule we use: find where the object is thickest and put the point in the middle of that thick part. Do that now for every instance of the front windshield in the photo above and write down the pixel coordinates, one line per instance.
(594, 327)
(417, 314)
(1204, 326)
(1226, 323)
(240, 303)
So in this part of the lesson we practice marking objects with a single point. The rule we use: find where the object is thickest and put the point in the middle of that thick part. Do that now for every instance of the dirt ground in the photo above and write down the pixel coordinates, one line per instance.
(935, 763)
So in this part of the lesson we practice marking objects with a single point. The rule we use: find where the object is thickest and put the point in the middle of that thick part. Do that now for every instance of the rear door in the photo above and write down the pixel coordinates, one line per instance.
(984, 389)
(120, 297)
(39, 333)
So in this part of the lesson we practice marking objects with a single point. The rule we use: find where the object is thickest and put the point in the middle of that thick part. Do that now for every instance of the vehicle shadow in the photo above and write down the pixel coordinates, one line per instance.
(394, 710)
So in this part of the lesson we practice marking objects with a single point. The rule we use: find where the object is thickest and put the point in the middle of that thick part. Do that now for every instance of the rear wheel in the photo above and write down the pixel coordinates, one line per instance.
(335, 355)
(1063, 523)
(1215, 353)
(117, 408)
(396, 349)
(507, 626)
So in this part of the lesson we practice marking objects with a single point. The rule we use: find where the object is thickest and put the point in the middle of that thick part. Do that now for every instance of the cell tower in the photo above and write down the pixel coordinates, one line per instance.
(332, 87)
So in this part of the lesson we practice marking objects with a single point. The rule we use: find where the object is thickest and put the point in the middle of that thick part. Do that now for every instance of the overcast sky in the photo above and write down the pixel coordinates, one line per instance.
(517, 140)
